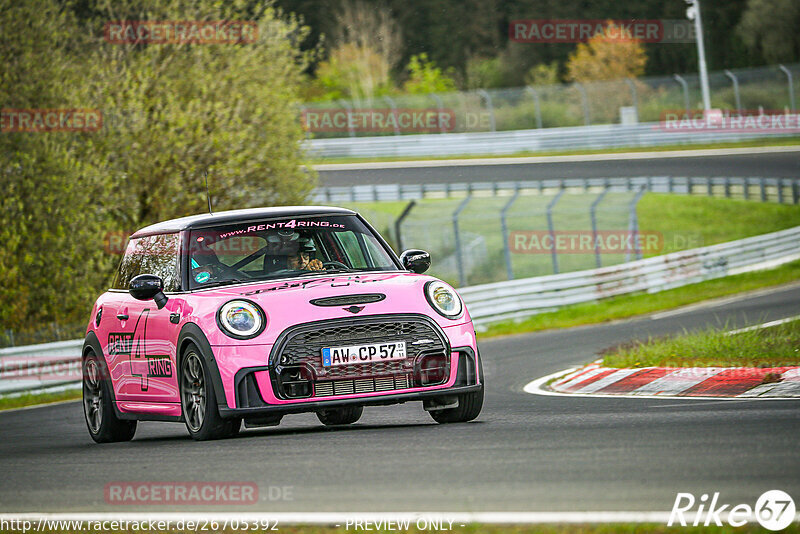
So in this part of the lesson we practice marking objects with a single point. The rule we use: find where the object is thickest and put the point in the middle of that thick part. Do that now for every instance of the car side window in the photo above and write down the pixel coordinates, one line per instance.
(155, 254)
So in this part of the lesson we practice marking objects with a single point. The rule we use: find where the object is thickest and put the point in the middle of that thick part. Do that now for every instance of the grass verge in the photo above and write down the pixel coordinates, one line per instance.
(755, 143)
(32, 399)
(627, 306)
(776, 346)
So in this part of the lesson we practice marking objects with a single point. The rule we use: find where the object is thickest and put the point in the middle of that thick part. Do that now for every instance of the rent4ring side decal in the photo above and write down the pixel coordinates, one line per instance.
(134, 345)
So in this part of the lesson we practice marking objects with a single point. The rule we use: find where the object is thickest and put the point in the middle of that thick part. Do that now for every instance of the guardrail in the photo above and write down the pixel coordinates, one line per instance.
(516, 299)
(36, 367)
(42, 366)
(605, 136)
(781, 190)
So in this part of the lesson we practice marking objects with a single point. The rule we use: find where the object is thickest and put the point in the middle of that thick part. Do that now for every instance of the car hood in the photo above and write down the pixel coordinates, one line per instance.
(288, 302)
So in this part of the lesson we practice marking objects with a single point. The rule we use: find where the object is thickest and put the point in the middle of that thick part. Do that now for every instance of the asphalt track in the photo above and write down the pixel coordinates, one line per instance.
(524, 453)
(735, 163)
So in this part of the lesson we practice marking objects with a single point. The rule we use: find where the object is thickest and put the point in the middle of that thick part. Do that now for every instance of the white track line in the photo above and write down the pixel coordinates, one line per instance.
(764, 325)
(526, 160)
(341, 519)
(713, 303)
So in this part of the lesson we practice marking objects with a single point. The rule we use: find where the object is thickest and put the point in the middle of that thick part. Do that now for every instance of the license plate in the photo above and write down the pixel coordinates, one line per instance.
(357, 354)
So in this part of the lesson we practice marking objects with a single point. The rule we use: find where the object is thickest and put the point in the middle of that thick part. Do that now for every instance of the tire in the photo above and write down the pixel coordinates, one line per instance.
(102, 422)
(199, 400)
(469, 407)
(340, 416)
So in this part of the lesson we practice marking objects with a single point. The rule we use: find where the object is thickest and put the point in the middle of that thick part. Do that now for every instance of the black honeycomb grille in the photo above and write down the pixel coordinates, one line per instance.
(305, 345)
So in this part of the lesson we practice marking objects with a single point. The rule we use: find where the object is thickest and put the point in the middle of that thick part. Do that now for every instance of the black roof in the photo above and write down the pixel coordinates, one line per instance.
(236, 216)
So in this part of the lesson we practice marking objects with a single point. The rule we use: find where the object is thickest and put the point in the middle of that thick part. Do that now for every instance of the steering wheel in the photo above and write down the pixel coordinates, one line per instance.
(334, 263)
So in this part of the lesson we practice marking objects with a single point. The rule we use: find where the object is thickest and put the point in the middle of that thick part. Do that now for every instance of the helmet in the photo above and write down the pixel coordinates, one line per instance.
(286, 242)
(307, 245)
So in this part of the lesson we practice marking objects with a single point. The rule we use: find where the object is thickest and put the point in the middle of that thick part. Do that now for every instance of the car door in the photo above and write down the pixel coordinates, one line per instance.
(145, 346)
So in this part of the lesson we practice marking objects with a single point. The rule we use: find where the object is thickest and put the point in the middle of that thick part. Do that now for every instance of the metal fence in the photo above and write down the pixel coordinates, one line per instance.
(591, 115)
(522, 298)
(609, 102)
(36, 367)
(491, 231)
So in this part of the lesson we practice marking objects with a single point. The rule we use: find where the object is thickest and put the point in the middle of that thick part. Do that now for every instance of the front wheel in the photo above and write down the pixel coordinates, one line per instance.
(103, 424)
(340, 416)
(199, 401)
(469, 407)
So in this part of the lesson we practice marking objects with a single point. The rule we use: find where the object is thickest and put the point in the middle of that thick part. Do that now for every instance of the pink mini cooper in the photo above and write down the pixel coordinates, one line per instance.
(250, 315)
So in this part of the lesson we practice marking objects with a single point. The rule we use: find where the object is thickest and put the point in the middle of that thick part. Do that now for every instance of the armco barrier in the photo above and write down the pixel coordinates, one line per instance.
(781, 190)
(511, 142)
(35, 367)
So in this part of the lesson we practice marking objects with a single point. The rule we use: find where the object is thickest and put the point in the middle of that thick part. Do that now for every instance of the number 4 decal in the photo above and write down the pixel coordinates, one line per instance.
(146, 365)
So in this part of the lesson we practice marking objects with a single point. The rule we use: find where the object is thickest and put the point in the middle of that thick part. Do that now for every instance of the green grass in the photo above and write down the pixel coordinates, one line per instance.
(33, 399)
(627, 306)
(777, 346)
(695, 221)
(790, 141)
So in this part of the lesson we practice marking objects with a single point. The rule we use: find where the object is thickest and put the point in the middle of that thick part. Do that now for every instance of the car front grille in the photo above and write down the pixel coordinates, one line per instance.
(330, 388)
(301, 347)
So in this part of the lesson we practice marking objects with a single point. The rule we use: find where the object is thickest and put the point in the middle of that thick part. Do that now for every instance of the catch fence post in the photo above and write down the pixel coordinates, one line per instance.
(551, 229)
(504, 229)
(593, 215)
(399, 222)
(462, 278)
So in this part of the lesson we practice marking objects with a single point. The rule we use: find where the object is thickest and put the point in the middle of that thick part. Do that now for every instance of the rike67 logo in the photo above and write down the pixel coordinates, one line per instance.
(774, 510)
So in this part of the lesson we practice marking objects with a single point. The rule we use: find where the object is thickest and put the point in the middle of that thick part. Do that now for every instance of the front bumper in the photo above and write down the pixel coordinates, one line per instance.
(466, 377)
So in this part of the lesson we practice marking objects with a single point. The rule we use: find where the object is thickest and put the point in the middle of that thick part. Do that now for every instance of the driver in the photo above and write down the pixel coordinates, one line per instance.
(301, 260)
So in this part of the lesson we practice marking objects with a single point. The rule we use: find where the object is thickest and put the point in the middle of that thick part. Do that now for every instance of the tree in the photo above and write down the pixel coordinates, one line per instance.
(367, 44)
(185, 109)
(172, 112)
(51, 195)
(601, 58)
(425, 77)
(543, 74)
(353, 72)
(769, 27)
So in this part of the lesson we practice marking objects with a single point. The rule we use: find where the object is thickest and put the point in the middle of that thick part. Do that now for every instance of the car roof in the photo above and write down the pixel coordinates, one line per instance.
(236, 216)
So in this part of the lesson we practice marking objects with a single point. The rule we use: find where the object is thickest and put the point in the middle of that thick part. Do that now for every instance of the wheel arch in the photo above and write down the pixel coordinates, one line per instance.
(191, 334)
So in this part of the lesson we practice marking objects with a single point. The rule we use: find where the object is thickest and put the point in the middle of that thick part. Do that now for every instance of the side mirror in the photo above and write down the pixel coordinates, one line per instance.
(417, 261)
(148, 286)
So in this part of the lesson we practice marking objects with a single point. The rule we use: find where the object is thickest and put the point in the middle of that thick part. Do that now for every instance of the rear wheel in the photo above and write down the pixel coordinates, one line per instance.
(340, 416)
(103, 424)
(469, 407)
(199, 401)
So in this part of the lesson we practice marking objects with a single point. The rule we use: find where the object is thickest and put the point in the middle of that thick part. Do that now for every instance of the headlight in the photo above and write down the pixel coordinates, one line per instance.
(241, 319)
(443, 299)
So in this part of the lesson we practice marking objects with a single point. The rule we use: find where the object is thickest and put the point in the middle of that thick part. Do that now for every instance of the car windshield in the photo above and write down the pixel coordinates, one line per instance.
(280, 248)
